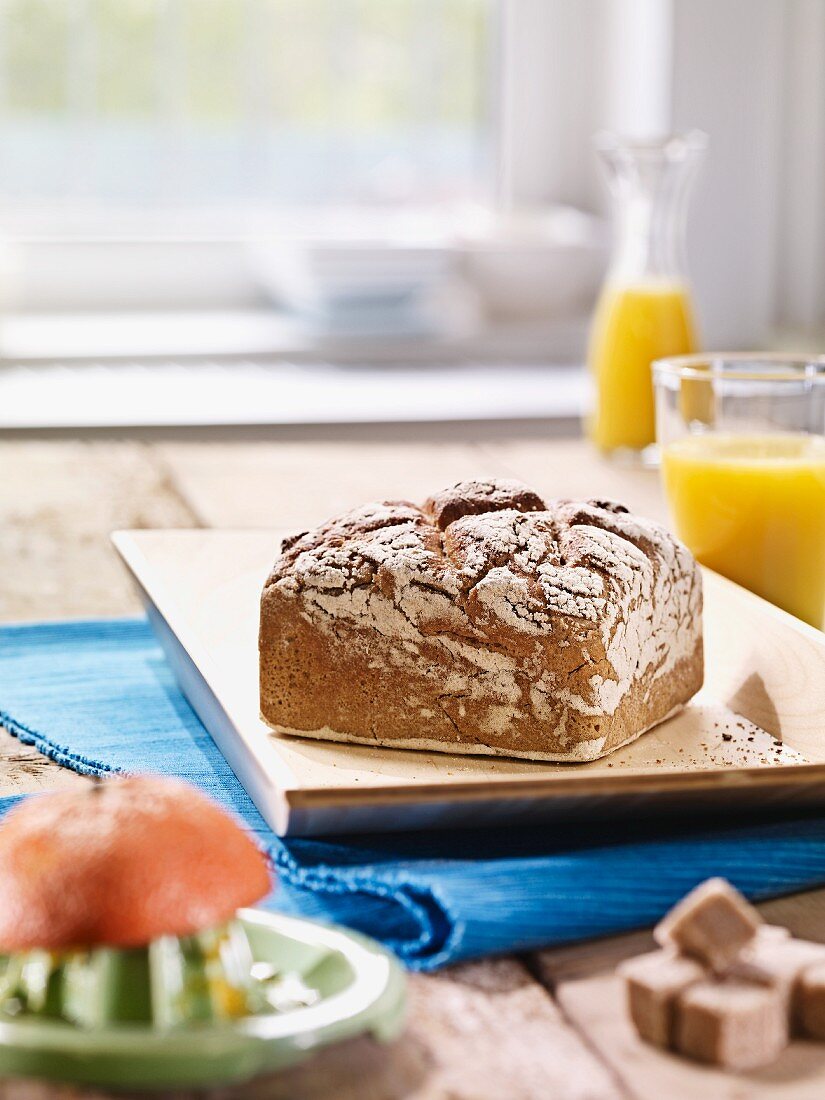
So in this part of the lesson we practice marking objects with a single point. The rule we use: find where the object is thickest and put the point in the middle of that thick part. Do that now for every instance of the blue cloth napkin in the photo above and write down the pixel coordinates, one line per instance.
(99, 698)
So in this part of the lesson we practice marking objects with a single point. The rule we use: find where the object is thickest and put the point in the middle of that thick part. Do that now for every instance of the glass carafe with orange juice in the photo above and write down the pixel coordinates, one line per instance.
(645, 310)
(743, 461)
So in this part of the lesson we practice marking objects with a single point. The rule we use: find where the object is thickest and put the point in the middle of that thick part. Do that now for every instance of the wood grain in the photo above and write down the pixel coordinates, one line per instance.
(483, 1031)
(296, 483)
(566, 468)
(297, 486)
(488, 1030)
(58, 501)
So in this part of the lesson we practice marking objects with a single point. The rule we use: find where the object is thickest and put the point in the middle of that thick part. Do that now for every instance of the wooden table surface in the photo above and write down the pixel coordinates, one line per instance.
(505, 1029)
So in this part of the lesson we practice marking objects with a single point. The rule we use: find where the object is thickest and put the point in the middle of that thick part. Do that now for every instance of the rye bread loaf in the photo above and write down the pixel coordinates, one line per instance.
(485, 621)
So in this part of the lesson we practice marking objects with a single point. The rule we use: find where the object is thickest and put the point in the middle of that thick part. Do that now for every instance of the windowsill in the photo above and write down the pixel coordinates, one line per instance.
(52, 337)
(134, 370)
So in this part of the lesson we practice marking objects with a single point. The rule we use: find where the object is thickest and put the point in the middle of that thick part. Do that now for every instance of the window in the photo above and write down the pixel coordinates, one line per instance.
(186, 129)
(240, 104)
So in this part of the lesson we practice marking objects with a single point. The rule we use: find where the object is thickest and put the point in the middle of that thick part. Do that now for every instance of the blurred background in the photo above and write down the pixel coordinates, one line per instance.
(275, 211)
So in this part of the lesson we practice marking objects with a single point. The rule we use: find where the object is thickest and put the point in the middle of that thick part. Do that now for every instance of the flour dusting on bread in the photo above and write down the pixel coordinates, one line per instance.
(484, 616)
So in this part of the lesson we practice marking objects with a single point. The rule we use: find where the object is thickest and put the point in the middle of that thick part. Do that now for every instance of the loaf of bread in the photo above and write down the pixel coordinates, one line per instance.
(485, 621)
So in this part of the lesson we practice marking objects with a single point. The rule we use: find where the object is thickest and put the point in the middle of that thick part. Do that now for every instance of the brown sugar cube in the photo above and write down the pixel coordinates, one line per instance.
(811, 1001)
(712, 923)
(731, 1023)
(779, 963)
(653, 983)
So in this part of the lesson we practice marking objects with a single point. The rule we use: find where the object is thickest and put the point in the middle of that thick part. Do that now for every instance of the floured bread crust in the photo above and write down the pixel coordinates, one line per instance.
(484, 621)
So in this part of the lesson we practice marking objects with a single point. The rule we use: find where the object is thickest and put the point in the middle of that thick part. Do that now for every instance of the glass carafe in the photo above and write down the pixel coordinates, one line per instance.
(645, 310)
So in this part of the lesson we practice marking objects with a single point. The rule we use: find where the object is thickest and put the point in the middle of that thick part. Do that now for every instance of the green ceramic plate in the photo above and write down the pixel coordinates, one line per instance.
(359, 987)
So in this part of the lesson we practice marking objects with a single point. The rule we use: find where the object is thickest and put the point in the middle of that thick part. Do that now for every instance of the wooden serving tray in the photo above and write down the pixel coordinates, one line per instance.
(755, 734)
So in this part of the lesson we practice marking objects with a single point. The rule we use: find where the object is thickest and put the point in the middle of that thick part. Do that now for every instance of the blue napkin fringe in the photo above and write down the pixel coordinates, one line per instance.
(60, 754)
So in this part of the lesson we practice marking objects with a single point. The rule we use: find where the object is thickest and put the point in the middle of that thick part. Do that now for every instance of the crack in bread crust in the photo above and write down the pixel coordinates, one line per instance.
(486, 617)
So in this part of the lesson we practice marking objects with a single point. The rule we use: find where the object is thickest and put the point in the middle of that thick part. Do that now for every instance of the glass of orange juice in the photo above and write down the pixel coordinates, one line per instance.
(742, 440)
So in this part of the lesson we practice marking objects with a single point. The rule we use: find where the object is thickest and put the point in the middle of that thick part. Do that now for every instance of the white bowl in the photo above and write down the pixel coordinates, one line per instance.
(538, 265)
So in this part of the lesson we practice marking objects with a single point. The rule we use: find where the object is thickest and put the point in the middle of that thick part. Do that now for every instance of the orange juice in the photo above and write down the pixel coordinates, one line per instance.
(752, 507)
(634, 324)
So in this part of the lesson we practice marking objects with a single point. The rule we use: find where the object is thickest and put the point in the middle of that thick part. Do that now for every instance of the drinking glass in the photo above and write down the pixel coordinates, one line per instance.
(742, 439)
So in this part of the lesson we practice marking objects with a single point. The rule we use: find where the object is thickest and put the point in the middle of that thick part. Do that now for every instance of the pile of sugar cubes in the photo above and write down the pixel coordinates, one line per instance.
(725, 988)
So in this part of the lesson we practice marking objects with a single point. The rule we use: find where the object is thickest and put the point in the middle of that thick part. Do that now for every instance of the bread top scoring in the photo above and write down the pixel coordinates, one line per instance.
(489, 571)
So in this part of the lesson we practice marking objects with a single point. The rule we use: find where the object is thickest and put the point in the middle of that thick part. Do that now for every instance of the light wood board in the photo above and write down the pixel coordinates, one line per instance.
(202, 589)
